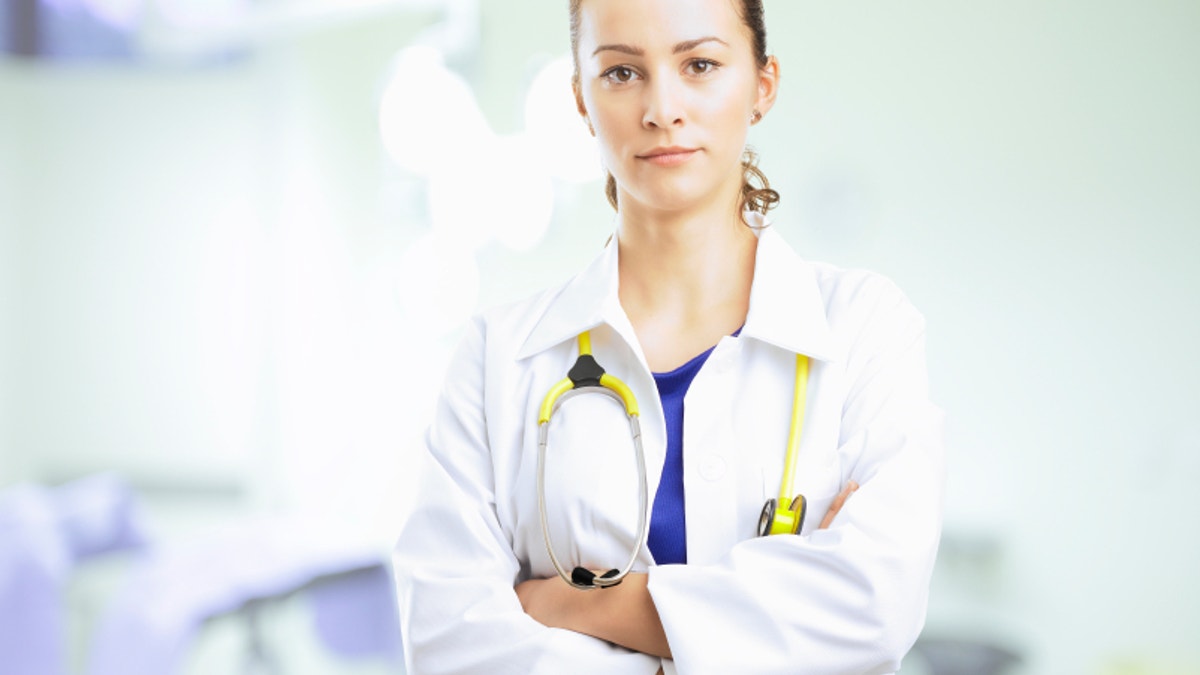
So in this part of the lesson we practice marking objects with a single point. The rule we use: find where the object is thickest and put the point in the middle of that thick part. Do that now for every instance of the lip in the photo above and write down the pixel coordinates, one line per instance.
(668, 156)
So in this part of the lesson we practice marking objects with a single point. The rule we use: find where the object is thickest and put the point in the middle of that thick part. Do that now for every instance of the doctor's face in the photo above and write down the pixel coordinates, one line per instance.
(669, 88)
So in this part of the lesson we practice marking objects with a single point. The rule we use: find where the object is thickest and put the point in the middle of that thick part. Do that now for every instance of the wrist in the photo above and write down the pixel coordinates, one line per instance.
(576, 609)
(608, 611)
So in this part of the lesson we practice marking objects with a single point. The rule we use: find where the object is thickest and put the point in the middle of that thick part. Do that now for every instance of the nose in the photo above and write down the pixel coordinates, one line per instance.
(663, 105)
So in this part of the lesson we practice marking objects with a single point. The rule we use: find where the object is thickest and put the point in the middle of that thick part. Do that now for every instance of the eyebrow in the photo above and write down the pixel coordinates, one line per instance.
(685, 46)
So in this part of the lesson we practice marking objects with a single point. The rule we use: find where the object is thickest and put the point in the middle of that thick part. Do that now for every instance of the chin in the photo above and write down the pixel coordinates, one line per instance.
(679, 201)
(675, 195)
(684, 188)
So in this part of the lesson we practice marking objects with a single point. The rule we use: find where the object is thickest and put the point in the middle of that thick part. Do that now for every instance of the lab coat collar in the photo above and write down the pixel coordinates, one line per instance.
(587, 301)
(786, 306)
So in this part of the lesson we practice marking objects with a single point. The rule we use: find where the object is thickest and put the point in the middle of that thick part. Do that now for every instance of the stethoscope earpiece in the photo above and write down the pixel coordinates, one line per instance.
(581, 577)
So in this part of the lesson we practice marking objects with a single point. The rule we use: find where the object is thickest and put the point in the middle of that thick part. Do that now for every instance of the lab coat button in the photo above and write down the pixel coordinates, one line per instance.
(712, 467)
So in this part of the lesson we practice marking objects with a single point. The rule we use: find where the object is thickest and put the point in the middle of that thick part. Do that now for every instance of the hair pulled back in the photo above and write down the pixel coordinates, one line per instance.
(756, 193)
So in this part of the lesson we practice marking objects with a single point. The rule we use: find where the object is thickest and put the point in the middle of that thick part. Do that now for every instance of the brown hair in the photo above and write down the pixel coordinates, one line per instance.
(762, 198)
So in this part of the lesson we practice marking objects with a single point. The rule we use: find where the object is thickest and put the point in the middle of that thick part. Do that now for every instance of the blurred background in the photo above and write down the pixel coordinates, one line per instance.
(238, 240)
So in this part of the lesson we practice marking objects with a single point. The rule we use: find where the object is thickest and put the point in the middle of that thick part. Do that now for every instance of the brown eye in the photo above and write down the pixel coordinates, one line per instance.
(702, 66)
(619, 75)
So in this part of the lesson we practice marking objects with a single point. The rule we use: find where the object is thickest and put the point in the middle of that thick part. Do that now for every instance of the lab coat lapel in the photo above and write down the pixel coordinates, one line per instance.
(582, 304)
(786, 306)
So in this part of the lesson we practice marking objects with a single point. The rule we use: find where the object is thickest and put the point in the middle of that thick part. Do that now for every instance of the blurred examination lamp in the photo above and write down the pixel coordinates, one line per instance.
(497, 191)
(437, 283)
(428, 116)
(554, 126)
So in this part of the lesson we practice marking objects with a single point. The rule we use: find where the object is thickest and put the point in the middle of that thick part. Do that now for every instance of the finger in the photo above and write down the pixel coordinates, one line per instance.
(837, 504)
(834, 508)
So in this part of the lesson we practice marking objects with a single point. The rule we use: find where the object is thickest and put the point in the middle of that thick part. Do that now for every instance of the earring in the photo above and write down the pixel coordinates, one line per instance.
(755, 117)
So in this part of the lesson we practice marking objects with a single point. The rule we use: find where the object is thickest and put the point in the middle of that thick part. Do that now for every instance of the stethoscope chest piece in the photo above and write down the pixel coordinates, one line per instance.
(775, 520)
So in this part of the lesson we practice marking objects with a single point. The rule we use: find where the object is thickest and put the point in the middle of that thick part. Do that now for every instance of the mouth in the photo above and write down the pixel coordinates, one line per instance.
(672, 156)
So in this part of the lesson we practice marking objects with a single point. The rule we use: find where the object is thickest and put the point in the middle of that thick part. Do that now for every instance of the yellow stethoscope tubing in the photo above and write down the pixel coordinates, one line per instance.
(788, 516)
(607, 381)
(552, 397)
(622, 394)
(799, 403)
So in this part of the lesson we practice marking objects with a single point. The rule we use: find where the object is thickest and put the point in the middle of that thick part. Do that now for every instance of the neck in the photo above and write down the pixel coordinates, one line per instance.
(670, 257)
(684, 278)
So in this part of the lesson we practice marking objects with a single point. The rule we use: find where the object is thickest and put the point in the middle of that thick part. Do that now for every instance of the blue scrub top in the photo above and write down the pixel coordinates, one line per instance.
(668, 524)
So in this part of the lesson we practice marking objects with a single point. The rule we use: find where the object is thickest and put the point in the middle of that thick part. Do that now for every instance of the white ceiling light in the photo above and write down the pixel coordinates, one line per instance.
(556, 128)
(437, 283)
(501, 191)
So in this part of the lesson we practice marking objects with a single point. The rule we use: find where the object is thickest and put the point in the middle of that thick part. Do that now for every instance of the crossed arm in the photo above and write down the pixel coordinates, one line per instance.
(623, 614)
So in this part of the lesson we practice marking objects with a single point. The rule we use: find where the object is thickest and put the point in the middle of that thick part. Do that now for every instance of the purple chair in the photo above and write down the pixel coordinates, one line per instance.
(44, 533)
(238, 569)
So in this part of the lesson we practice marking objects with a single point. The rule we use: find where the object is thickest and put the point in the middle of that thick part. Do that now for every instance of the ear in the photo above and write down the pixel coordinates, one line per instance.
(581, 107)
(768, 85)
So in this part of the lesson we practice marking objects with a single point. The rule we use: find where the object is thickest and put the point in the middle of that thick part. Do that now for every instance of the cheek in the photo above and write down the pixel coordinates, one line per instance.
(616, 131)
(730, 105)
(733, 121)
(729, 116)
(725, 128)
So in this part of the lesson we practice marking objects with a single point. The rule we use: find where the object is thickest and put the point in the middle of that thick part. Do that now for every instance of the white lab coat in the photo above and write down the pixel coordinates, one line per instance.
(849, 599)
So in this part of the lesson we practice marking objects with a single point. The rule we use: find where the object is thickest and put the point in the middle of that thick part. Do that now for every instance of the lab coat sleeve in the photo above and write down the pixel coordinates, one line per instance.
(850, 599)
(455, 569)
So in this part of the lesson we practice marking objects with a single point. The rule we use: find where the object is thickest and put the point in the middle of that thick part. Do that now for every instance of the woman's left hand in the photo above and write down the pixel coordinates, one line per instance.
(836, 506)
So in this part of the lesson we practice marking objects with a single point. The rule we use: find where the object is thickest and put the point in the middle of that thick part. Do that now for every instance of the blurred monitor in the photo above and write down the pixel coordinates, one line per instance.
(70, 29)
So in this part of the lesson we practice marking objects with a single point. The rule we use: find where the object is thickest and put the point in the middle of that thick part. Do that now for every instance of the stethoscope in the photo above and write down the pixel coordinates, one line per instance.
(587, 376)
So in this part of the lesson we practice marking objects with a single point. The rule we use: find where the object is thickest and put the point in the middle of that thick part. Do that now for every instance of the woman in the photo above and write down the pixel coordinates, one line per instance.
(694, 297)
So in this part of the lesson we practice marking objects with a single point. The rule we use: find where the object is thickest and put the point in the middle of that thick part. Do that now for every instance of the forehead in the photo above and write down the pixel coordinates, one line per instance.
(647, 23)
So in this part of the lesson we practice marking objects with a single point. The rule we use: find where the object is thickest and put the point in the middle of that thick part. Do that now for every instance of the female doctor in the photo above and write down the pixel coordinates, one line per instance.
(700, 310)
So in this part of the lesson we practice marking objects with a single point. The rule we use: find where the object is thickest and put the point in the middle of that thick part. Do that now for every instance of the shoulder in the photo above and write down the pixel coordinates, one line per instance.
(852, 293)
(827, 306)
(505, 327)
(488, 347)
(866, 310)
